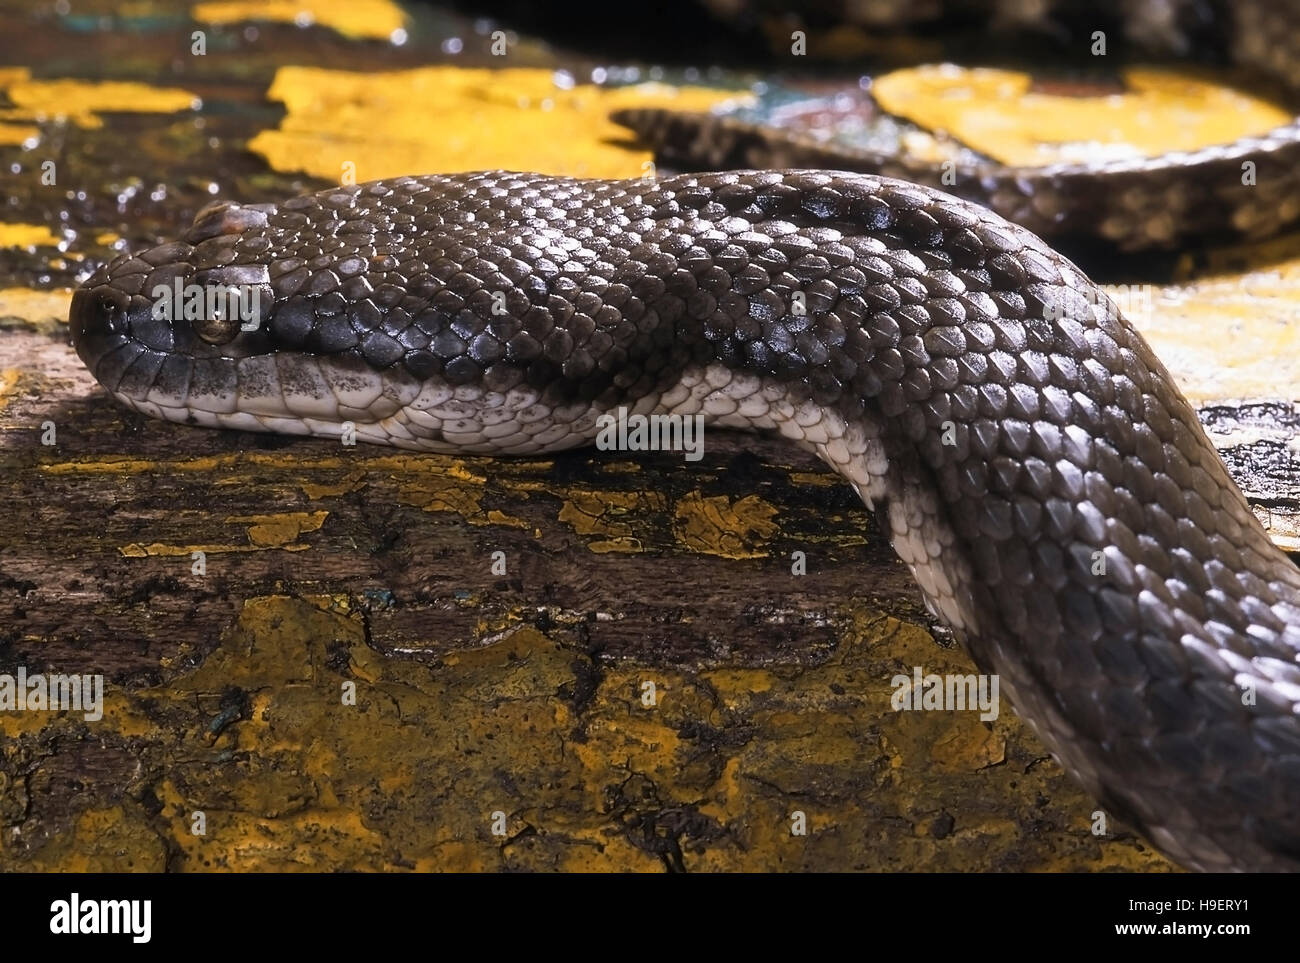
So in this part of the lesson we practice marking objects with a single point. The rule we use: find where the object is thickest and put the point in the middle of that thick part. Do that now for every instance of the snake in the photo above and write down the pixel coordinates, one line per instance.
(1033, 462)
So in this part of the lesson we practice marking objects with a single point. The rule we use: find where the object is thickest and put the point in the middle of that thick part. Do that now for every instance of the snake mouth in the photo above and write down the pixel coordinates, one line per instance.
(112, 335)
(165, 368)
(144, 327)
(162, 366)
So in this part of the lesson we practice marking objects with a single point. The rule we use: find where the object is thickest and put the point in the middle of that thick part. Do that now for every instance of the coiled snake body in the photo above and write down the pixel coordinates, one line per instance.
(1051, 490)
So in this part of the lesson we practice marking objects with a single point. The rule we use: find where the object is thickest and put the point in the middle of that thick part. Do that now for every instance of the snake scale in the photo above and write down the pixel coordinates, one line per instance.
(972, 384)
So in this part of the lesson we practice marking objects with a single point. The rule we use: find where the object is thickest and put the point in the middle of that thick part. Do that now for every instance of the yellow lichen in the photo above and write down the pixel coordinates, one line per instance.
(716, 526)
(79, 102)
(1001, 115)
(360, 19)
(27, 235)
(362, 126)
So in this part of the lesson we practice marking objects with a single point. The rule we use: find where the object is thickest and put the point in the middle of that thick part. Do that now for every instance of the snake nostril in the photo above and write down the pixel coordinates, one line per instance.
(94, 314)
(81, 315)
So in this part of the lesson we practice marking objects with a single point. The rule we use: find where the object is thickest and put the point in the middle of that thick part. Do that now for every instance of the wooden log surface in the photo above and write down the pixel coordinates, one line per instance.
(502, 719)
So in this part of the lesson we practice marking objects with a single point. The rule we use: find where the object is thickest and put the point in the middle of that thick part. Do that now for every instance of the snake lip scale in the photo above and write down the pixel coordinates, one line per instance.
(968, 381)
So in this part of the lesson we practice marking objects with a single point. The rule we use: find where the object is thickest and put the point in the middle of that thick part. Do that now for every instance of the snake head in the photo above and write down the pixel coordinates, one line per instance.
(228, 327)
(147, 325)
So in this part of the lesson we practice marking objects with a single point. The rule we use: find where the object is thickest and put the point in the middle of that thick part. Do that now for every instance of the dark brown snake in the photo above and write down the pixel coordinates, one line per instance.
(1040, 473)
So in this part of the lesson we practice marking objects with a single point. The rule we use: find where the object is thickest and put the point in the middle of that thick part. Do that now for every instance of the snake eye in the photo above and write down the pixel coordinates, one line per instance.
(217, 329)
(225, 308)
(220, 324)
